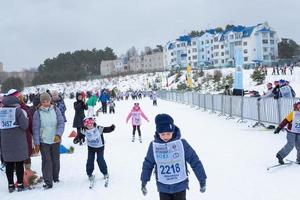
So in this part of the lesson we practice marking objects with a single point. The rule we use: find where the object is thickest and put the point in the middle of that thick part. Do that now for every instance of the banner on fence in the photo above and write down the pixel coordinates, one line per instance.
(238, 76)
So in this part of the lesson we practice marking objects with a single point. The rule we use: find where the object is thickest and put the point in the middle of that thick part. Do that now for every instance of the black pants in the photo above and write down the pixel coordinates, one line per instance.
(100, 160)
(175, 196)
(111, 110)
(19, 166)
(154, 102)
(104, 107)
(134, 129)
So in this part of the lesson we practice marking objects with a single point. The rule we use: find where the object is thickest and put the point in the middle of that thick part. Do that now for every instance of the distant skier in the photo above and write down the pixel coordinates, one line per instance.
(293, 134)
(168, 154)
(111, 105)
(136, 114)
(95, 142)
(154, 98)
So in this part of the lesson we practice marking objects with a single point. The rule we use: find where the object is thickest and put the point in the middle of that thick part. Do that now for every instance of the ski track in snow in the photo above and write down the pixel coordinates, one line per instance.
(235, 160)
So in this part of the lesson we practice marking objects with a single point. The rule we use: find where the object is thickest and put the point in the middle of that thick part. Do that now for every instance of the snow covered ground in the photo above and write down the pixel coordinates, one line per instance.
(235, 158)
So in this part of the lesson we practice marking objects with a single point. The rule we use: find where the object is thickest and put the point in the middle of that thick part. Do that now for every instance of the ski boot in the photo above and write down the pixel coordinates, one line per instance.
(20, 187)
(11, 188)
(280, 159)
(140, 139)
(133, 138)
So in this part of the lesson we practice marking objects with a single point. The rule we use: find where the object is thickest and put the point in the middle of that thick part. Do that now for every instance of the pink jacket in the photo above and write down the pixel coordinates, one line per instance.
(136, 115)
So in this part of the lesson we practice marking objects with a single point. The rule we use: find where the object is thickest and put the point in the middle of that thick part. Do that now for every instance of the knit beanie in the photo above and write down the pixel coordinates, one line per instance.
(164, 123)
(45, 97)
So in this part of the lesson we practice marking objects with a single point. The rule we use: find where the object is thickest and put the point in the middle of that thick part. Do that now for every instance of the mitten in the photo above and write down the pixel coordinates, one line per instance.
(203, 189)
(277, 130)
(112, 127)
(56, 139)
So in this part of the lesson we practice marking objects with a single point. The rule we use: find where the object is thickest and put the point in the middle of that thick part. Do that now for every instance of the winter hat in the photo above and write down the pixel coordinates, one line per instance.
(164, 123)
(11, 92)
(281, 82)
(54, 94)
(45, 97)
(88, 121)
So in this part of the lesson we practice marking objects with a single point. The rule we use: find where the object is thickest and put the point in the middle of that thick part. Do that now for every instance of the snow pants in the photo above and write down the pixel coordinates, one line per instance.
(10, 167)
(175, 196)
(100, 160)
(293, 140)
(50, 162)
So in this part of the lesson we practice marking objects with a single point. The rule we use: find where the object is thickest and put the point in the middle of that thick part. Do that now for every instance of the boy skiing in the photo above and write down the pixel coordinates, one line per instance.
(293, 134)
(95, 142)
(136, 114)
(168, 153)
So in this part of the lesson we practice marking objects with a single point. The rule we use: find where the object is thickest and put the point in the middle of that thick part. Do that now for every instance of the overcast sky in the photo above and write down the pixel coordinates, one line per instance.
(33, 30)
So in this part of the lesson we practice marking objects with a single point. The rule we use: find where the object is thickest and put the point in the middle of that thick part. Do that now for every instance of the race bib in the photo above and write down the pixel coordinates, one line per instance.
(286, 91)
(93, 137)
(170, 161)
(7, 118)
(137, 118)
(296, 122)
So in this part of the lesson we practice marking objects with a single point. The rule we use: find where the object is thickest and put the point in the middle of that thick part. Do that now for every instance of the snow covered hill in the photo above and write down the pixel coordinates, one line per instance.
(147, 81)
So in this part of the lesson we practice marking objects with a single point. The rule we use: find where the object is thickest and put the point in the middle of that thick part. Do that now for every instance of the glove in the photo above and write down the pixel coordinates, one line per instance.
(79, 138)
(203, 189)
(37, 149)
(56, 139)
(144, 190)
(259, 98)
(112, 127)
(277, 130)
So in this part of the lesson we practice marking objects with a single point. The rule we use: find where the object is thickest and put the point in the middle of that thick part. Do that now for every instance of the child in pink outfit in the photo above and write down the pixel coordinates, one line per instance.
(136, 115)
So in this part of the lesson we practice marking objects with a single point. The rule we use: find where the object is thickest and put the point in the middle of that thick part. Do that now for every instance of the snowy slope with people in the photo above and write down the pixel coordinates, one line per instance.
(234, 157)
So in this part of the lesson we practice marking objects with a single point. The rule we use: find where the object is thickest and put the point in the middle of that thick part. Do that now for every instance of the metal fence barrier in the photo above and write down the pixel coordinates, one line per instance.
(265, 110)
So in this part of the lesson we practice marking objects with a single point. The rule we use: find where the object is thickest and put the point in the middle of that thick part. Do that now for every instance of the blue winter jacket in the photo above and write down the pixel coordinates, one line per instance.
(104, 97)
(190, 156)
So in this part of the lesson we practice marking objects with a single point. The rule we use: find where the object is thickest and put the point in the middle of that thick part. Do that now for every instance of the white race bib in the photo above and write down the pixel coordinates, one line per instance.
(170, 161)
(286, 91)
(7, 118)
(136, 117)
(296, 122)
(93, 137)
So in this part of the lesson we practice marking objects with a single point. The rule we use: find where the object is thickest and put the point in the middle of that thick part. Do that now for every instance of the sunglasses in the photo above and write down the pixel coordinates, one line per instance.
(136, 104)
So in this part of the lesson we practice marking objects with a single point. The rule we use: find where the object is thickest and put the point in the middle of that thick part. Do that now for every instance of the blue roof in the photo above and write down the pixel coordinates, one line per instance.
(170, 46)
(184, 38)
(211, 31)
(248, 31)
(265, 30)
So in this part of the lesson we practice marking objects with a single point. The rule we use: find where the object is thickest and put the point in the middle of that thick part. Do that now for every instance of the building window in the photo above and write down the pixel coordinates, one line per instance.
(244, 43)
(245, 59)
(194, 49)
(202, 42)
(222, 54)
(194, 43)
(195, 64)
(265, 41)
(189, 57)
(238, 43)
(212, 41)
(264, 35)
(223, 61)
(202, 49)
(222, 46)
(226, 52)
(216, 39)
(272, 57)
(216, 46)
(194, 57)
(207, 41)
(208, 52)
(272, 42)
(266, 57)
(231, 37)
(265, 49)
(172, 54)
(202, 57)
(271, 35)
(212, 48)
(189, 51)
(245, 51)
(216, 54)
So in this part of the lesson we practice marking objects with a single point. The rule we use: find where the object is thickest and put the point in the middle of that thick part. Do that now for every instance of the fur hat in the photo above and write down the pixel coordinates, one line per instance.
(45, 97)
(164, 123)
